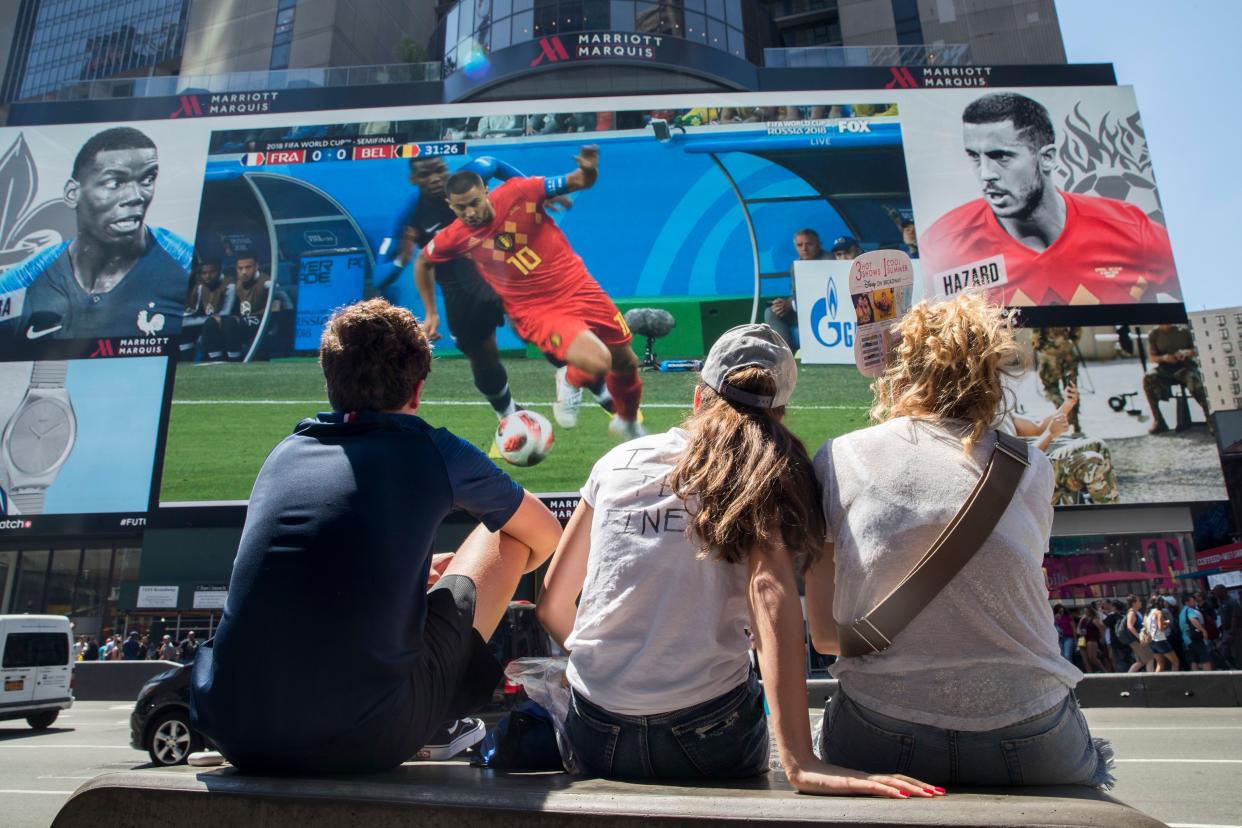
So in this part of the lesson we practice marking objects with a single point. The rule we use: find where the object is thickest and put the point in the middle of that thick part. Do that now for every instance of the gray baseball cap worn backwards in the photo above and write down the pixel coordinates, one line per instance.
(747, 346)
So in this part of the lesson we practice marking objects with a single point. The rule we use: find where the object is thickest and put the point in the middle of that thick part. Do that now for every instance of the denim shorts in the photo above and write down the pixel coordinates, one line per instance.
(723, 738)
(1052, 748)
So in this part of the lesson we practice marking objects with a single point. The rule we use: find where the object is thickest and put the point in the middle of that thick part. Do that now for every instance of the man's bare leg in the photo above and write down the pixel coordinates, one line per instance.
(494, 562)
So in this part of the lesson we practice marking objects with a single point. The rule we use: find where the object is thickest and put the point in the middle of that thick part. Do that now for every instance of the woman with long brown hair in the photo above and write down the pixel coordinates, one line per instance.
(676, 537)
(973, 690)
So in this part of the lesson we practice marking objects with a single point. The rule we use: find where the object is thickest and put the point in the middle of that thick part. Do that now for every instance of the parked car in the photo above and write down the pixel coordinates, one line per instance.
(160, 723)
(36, 668)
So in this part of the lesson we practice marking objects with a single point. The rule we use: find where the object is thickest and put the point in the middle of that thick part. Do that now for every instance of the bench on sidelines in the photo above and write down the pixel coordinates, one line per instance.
(455, 794)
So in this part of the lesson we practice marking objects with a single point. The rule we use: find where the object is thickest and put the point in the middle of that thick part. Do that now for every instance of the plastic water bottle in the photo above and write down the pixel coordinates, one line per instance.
(668, 365)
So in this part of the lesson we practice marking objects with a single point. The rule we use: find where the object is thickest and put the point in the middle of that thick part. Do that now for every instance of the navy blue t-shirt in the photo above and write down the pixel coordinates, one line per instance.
(148, 301)
(323, 625)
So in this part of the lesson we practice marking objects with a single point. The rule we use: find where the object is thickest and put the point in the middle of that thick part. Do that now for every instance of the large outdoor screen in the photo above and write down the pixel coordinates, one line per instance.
(710, 208)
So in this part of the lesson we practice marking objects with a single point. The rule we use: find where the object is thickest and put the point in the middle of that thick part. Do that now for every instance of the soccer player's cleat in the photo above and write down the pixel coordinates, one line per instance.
(604, 398)
(452, 738)
(625, 429)
(513, 408)
(568, 399)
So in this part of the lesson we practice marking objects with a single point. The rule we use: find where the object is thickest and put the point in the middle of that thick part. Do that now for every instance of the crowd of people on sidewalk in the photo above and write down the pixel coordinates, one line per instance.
(136, 647)
(1201, 631)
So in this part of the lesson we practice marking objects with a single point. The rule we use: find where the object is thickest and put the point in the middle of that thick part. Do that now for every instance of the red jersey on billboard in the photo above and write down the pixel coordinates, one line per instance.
(522, 253)
(1109, 252)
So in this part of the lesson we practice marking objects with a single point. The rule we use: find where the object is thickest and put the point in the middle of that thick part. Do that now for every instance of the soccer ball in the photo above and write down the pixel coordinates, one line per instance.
(524, 438)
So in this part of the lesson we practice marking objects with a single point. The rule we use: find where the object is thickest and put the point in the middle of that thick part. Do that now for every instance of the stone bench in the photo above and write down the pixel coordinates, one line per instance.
(455, 794)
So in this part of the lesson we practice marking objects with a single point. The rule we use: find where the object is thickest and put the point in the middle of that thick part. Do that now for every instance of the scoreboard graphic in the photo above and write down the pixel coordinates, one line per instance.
(352, 152)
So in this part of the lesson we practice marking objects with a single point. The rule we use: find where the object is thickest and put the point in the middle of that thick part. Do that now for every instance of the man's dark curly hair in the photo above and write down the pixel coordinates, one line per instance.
(1029, 117)
(373, 355)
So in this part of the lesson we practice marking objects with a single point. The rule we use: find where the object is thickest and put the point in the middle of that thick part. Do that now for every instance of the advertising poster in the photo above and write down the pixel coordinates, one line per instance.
(97, 229)
(1048, 194)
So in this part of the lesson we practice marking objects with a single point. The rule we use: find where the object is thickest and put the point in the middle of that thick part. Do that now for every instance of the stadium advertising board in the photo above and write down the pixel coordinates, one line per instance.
(711, 208)
(96, 243)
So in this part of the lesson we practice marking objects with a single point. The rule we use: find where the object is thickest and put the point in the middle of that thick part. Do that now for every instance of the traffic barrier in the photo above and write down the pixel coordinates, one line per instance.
(1219, 688)
(114, 680)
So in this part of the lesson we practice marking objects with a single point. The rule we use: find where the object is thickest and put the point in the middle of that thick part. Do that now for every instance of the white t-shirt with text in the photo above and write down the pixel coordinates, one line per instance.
(658, 627)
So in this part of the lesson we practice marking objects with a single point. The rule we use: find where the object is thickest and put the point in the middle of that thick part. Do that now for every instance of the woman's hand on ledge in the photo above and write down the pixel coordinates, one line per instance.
(818, 777)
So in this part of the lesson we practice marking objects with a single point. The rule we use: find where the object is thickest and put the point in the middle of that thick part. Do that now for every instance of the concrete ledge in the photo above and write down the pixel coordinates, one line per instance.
(114, 680)
(454, 794)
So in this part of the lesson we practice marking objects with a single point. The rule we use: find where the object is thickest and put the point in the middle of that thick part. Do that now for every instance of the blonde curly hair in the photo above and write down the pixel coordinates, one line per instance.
(949, 365)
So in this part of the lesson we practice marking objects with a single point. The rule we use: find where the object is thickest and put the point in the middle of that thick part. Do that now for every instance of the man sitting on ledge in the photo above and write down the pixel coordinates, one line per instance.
(339, 537)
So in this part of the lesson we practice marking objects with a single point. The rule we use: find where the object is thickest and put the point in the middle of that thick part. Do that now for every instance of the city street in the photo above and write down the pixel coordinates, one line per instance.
(1182, 766)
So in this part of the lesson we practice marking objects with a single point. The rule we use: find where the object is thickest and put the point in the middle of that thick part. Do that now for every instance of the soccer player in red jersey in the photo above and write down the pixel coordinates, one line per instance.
(547, 292)
(1057, 247)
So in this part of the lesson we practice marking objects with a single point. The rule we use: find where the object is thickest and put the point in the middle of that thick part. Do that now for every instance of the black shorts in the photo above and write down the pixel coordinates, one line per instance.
(457, 671)
(473, 316)
(455, 675)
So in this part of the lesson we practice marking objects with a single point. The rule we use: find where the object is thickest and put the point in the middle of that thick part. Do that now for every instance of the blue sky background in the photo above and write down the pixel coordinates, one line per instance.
(1182, 59)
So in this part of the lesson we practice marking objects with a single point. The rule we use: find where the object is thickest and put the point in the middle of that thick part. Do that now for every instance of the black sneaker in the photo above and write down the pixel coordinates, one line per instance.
(451, 739)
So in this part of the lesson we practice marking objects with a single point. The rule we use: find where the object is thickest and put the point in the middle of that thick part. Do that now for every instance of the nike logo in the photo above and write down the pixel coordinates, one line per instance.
(433, 228)
(31, 333)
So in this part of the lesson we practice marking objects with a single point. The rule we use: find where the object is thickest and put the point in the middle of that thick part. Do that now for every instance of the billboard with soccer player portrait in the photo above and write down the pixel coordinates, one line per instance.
(652, 223)
(96, 240)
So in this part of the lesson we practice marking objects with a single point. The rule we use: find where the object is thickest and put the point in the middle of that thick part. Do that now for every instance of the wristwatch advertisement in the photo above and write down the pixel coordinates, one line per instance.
(38, 439)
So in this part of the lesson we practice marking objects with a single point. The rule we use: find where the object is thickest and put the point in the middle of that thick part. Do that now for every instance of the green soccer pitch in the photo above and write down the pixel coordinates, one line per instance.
(226, 418)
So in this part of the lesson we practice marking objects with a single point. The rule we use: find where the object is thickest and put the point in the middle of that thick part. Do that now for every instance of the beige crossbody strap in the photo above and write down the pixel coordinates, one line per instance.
(957, 544)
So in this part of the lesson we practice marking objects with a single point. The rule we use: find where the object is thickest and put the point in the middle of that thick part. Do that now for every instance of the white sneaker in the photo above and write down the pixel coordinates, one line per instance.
(205, 759)
(568, 399)
(625, 429)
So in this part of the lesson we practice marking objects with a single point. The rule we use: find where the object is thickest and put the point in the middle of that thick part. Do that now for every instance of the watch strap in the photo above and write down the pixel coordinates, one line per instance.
(29, 501)
(49, 374)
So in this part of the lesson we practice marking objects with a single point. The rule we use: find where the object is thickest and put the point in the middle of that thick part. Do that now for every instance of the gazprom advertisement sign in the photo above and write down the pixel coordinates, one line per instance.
(825, 312)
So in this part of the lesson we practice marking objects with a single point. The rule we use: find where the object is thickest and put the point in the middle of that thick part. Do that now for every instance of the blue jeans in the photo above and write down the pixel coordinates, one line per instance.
(1068, 645)
(725, 737)
(1052, 748)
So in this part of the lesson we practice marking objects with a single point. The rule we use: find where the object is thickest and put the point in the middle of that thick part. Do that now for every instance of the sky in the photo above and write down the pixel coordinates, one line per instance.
(1181, 58)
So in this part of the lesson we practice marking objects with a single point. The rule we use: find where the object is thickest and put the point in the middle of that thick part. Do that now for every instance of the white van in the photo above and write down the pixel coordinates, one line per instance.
(36, 666)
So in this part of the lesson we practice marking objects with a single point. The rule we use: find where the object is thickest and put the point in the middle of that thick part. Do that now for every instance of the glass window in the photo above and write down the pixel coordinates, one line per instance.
(737, 43)
(523, 27)
(501, 8)
(695, 5)
(716, 9)
(500, 33)
(60, 580)
(92, 582)
(733, 12)
(36, 650)
(717, 35)
(31, 580)
(623, 15)
(280, 56)
(595, 14)
(546, 20)
(523, 5)
(450, 26)
(696, 27)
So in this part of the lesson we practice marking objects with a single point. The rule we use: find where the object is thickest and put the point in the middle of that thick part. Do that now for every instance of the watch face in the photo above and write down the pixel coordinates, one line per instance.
(39, 436)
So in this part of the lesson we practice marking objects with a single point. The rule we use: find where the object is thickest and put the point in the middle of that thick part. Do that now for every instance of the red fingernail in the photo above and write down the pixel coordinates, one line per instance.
(929, 790)
(939, 789)
(904, 795)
